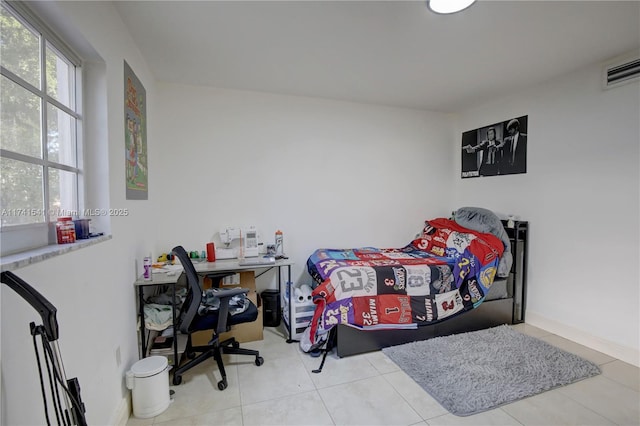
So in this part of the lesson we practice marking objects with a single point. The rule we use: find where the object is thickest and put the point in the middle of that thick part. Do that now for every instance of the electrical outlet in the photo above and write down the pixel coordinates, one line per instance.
(118, 357)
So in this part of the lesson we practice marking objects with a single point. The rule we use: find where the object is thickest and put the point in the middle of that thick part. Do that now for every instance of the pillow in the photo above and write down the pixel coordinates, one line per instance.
(483, 220)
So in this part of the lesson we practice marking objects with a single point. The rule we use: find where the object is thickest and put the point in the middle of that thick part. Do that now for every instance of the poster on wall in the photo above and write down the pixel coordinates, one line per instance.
(135, 136)
(497, 149)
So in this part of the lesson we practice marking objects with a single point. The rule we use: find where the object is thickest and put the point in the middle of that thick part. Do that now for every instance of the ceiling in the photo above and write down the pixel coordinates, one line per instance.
(393, 53)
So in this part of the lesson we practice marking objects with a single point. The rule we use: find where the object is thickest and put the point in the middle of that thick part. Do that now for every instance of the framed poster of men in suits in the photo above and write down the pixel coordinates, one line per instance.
(497, 149)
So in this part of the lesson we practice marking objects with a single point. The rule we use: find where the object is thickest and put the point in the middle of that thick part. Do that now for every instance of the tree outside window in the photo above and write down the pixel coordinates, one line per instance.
(39, 167)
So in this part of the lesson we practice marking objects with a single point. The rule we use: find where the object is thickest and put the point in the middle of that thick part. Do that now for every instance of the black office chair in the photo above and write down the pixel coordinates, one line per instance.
(219, 320)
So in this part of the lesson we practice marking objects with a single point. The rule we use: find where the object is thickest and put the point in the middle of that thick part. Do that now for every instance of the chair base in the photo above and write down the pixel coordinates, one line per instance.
(214, 349)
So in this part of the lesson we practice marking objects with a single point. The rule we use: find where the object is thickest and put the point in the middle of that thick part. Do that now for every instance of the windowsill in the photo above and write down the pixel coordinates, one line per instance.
(29, 257)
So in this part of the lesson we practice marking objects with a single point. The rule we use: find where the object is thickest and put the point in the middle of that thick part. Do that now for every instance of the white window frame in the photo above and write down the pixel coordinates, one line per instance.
(22, 237)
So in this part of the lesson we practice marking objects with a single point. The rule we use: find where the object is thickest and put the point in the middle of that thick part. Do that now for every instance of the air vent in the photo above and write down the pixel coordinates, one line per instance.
(621, 72)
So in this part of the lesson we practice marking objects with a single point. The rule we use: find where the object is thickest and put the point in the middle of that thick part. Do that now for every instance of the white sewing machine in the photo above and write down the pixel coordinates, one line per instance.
(248, 246)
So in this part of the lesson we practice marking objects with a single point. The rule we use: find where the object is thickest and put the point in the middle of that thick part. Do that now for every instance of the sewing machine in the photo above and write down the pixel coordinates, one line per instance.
(248, 245)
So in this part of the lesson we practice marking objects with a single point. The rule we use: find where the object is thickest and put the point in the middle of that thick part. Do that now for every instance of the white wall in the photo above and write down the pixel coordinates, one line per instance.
(92, 288)
(327, 173)
(581, 196)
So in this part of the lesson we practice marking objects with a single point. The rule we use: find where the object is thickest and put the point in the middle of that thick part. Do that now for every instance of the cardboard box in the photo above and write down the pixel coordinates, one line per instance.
(247, 332)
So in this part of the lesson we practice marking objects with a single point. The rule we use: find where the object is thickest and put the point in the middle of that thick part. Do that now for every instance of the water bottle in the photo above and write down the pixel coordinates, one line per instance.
(147, 269)
(279, 243)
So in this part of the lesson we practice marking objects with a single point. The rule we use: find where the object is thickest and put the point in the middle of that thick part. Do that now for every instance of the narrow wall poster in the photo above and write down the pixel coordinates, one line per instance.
(135, 136)
(497, 149)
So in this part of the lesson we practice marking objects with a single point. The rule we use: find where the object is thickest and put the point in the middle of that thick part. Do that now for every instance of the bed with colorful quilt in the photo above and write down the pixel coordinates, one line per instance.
(451, 278)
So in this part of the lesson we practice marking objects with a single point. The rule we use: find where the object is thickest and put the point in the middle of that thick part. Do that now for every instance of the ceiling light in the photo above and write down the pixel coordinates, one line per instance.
(449, 6)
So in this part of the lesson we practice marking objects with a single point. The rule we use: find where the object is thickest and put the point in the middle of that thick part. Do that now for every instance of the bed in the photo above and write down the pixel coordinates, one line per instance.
(451, 278)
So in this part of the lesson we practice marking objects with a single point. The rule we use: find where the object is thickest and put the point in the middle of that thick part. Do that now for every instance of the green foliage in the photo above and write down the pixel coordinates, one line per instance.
(21, 183)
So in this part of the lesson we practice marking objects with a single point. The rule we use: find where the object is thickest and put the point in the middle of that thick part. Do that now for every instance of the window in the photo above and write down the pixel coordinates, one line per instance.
(40, 168)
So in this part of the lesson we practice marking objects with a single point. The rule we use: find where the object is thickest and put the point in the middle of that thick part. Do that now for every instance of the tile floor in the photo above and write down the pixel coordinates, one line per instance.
(370, 389)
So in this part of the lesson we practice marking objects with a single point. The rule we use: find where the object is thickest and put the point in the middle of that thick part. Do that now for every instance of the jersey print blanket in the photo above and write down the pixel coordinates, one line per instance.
(445, 271)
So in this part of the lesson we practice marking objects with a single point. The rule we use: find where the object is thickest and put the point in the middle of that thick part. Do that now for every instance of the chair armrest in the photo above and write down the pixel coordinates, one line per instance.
(223, 313)
(230, 292)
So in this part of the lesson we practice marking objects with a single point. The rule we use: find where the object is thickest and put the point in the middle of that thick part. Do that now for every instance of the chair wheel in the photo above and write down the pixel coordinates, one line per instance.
(222, 384)
(191, 355)
(236, 345)
(259, 361)
(177, 380)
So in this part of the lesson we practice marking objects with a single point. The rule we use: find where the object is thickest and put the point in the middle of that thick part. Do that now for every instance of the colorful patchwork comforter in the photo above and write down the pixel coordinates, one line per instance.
(445, 271)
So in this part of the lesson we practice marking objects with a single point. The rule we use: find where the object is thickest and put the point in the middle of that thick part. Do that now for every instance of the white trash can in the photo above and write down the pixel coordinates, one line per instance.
(148, 380)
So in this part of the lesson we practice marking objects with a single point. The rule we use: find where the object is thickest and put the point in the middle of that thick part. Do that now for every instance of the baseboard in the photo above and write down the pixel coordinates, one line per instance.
(623, 353)
(121, 415)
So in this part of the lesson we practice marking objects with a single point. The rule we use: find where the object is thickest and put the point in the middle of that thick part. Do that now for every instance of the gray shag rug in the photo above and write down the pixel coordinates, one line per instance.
(469, 373)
